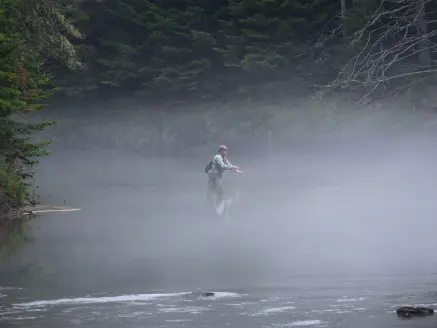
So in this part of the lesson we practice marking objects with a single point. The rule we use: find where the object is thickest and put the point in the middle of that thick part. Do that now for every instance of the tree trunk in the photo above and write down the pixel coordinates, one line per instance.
(424, 54)
(343, 16)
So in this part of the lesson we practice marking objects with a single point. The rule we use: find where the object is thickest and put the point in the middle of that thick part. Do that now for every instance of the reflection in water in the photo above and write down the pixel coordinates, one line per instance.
(17, 242)
(13, 236)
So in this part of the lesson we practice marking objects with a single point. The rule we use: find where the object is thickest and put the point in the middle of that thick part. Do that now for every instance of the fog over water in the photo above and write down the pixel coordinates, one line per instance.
(322, 223)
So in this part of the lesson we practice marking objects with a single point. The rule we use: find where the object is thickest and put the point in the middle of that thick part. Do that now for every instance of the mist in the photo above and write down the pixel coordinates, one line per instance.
(328, 109)
(341, 208)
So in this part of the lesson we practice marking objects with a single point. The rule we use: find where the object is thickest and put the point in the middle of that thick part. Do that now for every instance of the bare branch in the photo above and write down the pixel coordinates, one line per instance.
(386, 47)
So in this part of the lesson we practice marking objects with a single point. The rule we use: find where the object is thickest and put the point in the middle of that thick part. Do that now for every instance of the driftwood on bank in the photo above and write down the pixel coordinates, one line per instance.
(9, 212)
(40, 208)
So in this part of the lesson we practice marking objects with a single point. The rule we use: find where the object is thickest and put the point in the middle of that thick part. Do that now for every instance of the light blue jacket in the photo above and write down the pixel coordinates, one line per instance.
(219, 165)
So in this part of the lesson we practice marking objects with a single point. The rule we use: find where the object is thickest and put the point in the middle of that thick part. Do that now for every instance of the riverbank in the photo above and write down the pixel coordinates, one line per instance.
(18, 196)
(11, 201)
(18, 201)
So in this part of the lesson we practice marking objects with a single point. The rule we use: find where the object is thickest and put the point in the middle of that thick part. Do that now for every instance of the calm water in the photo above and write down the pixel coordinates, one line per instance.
(293, 254)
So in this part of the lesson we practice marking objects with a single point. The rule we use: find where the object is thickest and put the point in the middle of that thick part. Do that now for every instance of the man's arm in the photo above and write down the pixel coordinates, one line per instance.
(219, 160)
(233, 167)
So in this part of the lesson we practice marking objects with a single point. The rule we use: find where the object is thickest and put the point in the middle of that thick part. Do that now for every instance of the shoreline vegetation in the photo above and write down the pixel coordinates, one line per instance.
(31, 34)
(15, 199)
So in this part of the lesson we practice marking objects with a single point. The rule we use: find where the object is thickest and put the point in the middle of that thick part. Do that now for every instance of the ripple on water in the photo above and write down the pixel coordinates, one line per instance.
(317, 323)
(188, 309)
(335, 311)
(270, 311)
(342, 300)
(132, 298)
(10, 288)
(133, 314)
(94, 300)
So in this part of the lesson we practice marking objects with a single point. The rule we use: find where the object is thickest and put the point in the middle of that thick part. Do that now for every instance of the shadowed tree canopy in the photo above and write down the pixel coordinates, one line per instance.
(200, 48)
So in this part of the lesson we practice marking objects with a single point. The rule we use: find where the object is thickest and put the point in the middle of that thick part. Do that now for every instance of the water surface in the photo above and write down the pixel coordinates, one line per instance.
(315, 246)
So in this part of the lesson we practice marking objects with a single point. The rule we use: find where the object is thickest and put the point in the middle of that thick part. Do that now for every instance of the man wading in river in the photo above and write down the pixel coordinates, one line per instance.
(215, 170)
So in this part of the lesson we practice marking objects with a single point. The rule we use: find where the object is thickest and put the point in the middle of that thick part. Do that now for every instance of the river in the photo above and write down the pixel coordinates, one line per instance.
(302, 247)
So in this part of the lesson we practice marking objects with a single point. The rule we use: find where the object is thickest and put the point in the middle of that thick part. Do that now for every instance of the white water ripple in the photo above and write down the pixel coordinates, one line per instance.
(300, 323)
(94, 300)
(133, 298)
(341, 300)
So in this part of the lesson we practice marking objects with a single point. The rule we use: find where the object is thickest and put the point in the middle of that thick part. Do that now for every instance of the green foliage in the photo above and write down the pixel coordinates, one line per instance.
(29, 34)
(44, 29)
(22, 87)
(149, 45)
(178, 48)
(267, 35)
(12, 187)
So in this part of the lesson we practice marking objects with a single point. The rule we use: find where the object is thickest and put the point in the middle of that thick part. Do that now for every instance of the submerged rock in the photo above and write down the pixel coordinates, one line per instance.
(203, 294)
(414, 311)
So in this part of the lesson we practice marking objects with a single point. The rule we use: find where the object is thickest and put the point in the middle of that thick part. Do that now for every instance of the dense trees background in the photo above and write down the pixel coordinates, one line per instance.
(194, 48)
(199, 48)
(173, 50)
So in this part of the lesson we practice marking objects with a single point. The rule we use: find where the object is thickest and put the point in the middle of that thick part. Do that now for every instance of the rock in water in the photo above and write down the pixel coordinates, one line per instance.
(413, 311)
(202, 294)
